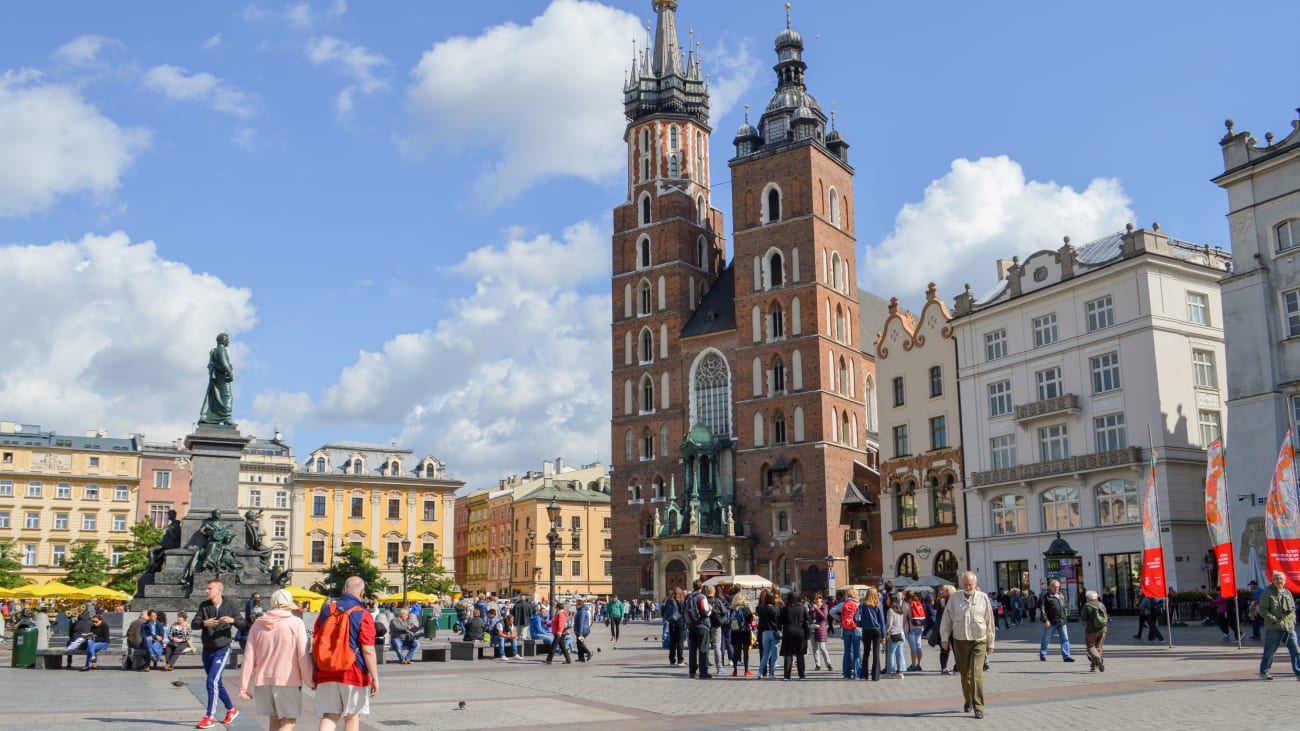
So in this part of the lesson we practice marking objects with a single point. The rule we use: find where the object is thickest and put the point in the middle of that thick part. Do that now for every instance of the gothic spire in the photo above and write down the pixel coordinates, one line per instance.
(669, 82)
(667, 60)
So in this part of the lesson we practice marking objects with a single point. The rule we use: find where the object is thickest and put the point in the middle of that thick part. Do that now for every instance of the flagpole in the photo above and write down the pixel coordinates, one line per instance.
(1160, 535)
(1227, 517)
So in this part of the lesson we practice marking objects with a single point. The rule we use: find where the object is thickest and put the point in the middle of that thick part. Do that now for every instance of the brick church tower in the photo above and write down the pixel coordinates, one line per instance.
(668, 252)
(739, 426)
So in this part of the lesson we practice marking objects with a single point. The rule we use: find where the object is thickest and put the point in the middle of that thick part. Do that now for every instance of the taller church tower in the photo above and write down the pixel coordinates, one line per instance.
(668, 252)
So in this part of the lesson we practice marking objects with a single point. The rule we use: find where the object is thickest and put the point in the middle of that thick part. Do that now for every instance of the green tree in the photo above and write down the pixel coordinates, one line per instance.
(144, 536)
(11, 570)
(354, 561)
(85, 565)
(428, 574)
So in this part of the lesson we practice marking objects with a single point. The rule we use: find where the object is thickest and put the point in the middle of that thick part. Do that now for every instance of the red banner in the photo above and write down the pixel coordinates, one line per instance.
(1281, 519)
(1216, 518)
(1153, 554)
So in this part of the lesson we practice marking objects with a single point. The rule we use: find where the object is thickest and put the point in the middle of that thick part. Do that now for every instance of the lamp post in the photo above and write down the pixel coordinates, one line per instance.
(553, 538)
(406, 567)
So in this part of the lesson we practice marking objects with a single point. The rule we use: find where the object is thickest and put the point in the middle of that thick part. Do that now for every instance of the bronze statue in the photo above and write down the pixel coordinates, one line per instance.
(218, 402)
(217, 553)
(171, 538)
(281, 576)
(253, 537)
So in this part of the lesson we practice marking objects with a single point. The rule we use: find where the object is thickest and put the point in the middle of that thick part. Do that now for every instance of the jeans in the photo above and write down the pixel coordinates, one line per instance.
(719, 649)
(1273, 639)
(174, 650)
(155, 649)
(870, 654)
(92, 648)
(214, 664)
(674, 642)
(1062, 636)
(697, 654)
(767, 660)
(894, 657)
(405, 649)
(740, 649)
(914, 640)
(852, 652)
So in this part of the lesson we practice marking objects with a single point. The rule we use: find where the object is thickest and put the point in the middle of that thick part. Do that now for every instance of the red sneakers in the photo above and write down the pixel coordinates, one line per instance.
(231, 715)
(206, 722)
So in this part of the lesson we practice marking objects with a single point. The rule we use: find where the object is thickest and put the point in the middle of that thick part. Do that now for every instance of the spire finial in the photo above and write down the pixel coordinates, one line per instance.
(787, 15)
(746, 114)
(832, 115)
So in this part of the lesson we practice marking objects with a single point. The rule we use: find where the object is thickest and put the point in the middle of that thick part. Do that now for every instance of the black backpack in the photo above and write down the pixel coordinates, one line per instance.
(692, 611)
(717, 613)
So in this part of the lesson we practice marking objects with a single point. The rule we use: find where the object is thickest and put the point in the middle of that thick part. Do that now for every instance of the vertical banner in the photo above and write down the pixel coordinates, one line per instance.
(1216, 517)
(1281, 522)
(1153, 554)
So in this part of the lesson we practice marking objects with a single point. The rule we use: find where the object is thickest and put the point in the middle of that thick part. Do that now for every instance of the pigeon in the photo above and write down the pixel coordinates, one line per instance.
(461, 706)
(178, 683)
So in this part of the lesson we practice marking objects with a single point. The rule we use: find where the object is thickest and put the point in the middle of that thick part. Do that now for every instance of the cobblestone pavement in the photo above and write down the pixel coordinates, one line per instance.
(1198, 679)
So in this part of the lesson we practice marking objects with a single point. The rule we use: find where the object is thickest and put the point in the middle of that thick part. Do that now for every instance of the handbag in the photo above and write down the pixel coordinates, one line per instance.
(895, 636)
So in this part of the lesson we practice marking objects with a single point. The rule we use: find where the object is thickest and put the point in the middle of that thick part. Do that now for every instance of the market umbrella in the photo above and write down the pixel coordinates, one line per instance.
(55, 590)
(411, 596)
(307, 595)
(22, 592)
(103, 592)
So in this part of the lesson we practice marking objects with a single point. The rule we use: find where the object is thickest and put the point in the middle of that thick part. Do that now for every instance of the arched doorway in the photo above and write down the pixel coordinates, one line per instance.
(674, 575)
(710, 568)
(945, 566)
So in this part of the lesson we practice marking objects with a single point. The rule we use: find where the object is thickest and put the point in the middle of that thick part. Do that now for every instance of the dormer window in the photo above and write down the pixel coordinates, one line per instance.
(394, 468)
(320, 465)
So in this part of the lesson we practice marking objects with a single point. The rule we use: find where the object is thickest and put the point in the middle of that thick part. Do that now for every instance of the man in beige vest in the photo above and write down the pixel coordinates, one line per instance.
(968, 619)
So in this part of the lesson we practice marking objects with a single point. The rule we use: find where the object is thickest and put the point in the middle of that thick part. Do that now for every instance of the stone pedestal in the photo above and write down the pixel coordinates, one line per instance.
(179, 583)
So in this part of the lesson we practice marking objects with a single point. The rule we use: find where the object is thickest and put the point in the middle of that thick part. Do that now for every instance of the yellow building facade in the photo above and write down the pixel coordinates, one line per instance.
(583, 559)
(57, 490)
(373, 496)
(266, 471)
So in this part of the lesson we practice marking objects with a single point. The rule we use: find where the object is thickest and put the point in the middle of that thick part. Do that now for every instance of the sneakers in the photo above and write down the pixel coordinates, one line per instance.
(1068, 659)
(1042, 658)
(1101, 664)
(1265, 676)
(206, 722)
(748, 674)
(231, 715)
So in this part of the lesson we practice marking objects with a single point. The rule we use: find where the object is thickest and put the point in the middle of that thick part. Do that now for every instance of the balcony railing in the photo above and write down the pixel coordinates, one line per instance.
(1069, 465)
(1068, 403)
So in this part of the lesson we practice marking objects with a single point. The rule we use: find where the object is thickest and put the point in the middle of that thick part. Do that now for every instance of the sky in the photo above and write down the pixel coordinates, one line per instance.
(401, 212)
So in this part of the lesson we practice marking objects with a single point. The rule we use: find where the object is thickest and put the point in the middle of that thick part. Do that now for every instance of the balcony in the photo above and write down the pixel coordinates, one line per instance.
(1065, 404)
(1069, 465)
(854, 537)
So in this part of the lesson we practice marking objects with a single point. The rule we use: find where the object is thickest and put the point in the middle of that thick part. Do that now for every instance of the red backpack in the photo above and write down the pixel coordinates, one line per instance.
(849, 615)
(331, 647)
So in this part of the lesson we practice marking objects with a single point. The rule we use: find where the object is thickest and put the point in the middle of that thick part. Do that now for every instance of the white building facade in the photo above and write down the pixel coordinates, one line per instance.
(1261, 303)
(1062, 370)
(921, 511)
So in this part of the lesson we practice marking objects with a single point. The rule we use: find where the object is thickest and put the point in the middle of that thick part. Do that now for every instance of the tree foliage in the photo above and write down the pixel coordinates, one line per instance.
(11, 569)
(144, 536)
(85, 565)
(354, 561)
(428, 574)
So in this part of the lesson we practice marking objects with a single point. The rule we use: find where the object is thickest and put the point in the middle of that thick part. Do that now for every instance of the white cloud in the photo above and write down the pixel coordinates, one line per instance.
(337, 9)
(178, 84)
(84, 50)
(103, 332)
(546, 93)
(731, 73)
(55, 143)
(519, 371)
(300, 16)
(979, 212)
(213, 41)
(352, 61)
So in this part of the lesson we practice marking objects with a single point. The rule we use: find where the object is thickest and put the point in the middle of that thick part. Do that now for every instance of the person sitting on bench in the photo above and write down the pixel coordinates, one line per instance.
(96, 641)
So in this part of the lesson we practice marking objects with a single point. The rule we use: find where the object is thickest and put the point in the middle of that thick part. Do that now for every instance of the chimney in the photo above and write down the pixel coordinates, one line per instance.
(548, 468)
(559, 465)
(1004, 266)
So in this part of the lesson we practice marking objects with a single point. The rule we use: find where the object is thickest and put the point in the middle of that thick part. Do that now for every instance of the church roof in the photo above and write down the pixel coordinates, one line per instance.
(717, 311)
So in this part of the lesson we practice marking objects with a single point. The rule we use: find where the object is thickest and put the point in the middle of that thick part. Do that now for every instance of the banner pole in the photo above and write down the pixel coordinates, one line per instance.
(1160, 534)
(1227, 517)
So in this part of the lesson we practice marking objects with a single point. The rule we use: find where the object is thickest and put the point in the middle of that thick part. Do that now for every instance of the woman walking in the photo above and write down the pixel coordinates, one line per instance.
(896, 627)
(276, 663)
(871, 622)
(821, 624)
(614, 610)
(741, 636)
(796, 626)
(769, 629)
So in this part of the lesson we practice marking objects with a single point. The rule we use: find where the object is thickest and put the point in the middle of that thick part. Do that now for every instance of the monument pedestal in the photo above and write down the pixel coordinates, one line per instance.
(178, 584)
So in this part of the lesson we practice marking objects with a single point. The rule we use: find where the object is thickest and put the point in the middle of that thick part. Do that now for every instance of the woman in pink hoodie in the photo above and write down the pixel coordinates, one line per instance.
(275, 663)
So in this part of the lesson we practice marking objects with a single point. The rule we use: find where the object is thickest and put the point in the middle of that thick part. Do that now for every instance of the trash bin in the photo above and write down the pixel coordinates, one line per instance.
(24, 644)
(430, 625)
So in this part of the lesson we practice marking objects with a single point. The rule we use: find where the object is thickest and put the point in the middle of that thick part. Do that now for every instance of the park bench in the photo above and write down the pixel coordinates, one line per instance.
(532, 648)
(435, 652)
(472, 650)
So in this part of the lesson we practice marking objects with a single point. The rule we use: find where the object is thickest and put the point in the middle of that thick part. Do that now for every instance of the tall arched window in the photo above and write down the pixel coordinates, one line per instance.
(702, 254)
(776, 318)
(945, 566)
(869, 392)
(673, 169)
(647, 393)
(1060, 508)
(647, 349)
(907, 506)
(699, 157)
(907, 566)
(782, 522)
(712, 393)
(645, 297)
(778, 375)
(647, 444)
(837, 273)
(846, 434)
(773, 205)
(701, 212)
(835, 207)
(663, 442)
(844, 378)
(643, 253)
(657, 488)
(629, 446)
(839, 324)
(775, 270)
(672, 137)
(778, 428)
(645, 209)
(944, 509)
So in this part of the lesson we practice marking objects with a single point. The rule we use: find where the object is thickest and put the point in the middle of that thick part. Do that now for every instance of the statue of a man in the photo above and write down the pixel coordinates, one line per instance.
(218, 553)
(254, 537)
(218, 402)
(171, 538)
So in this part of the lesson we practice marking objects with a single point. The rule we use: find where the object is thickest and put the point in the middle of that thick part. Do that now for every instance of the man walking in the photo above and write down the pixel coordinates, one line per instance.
(220, 620)
(1055, 614)
(1277, 607)
(968, 619)
(346, 693)
(1095, 619)
(582, 628)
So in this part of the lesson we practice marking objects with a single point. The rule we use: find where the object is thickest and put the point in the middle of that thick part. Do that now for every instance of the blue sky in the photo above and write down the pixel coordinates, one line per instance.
(401, 211)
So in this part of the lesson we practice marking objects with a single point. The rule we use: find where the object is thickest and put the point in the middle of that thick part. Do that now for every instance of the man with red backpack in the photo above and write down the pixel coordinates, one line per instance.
(343, 652)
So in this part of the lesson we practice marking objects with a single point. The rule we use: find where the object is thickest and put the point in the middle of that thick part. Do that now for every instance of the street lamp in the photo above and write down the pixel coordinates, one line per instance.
(553, 538)
(406, 566)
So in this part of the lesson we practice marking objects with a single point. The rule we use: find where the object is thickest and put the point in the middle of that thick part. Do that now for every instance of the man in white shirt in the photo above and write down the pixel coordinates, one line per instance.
(968, 618)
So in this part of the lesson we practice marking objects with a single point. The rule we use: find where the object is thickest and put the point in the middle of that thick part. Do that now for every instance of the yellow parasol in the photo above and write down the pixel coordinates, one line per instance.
(103, 592)
(51, 590)
(411, 596)
(307, 595)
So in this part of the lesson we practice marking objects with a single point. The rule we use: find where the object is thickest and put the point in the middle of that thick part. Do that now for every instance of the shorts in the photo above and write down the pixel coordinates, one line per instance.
(281, 701)
(337, 698)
